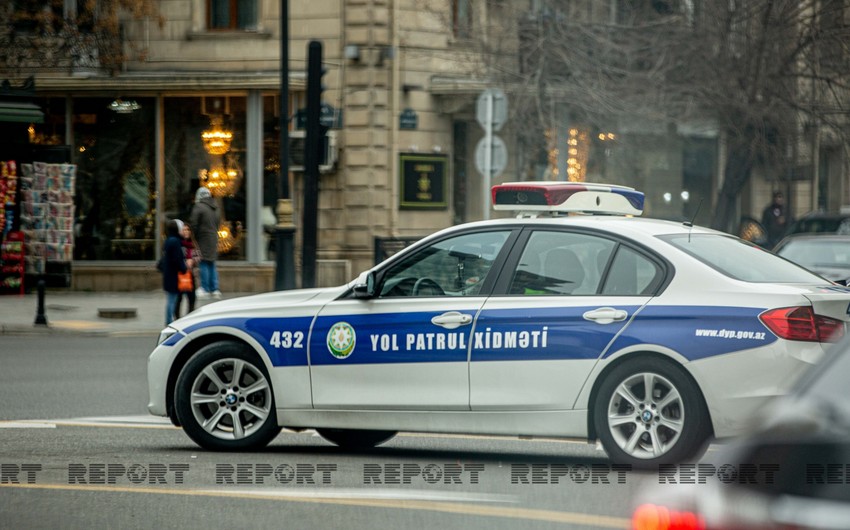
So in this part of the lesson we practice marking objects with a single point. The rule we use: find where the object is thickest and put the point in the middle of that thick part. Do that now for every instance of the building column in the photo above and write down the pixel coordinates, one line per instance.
(253, 181)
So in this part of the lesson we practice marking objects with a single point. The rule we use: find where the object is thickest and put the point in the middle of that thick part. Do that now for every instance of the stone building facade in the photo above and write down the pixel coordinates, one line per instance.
(402, 82)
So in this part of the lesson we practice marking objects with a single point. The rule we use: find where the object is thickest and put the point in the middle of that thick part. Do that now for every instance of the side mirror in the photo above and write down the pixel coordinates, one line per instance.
(366, 290)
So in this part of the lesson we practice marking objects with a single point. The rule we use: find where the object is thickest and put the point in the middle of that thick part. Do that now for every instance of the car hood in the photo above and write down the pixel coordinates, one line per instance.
(279, 302)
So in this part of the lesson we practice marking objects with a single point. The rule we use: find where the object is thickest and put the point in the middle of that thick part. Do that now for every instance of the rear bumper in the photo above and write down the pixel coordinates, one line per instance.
(737, 385)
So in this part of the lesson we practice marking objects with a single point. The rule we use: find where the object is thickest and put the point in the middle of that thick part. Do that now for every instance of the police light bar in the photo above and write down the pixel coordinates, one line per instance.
(567, 197)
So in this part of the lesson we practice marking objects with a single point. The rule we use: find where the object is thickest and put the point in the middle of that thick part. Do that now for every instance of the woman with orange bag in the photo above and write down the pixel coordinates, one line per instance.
(172, 263)
(192, 256)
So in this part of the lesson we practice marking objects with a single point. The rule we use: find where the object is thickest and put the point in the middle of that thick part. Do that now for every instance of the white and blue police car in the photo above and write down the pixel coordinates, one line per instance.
(651, 336)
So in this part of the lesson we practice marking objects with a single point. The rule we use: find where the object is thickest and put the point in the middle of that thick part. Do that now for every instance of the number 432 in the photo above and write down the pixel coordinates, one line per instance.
(287, 339)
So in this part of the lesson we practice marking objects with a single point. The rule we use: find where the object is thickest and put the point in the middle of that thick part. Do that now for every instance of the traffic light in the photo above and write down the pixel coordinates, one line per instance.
(315, 131)
(297, 150)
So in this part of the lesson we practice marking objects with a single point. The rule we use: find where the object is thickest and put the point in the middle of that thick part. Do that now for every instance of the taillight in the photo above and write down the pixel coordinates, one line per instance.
(654, 517)
(801, 323)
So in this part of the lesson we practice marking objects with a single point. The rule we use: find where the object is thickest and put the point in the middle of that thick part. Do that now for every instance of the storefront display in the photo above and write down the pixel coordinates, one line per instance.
(47, 215)
(12, 263)
(12, 247)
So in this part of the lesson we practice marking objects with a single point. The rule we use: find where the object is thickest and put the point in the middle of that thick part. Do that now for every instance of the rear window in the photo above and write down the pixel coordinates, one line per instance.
(835, 225)
(740, 259)
(820, 252)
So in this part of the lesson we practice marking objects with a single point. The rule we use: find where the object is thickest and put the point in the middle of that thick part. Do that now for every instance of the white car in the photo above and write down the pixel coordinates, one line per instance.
(649, 335)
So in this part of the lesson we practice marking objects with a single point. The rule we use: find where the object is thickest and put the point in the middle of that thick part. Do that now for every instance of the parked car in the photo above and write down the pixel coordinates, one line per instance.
(827, 255)
(821, 223)
(793, 473)
(649, 335)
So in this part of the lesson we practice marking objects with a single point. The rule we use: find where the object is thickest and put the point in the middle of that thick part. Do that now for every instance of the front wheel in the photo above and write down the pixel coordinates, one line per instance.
(355, 438)
(224, 399)
(648, 412)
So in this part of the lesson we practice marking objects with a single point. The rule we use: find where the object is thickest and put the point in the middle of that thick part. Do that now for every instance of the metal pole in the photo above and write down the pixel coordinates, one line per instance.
(40, 317)
(285, 229)
(312, 145)
(488, 155)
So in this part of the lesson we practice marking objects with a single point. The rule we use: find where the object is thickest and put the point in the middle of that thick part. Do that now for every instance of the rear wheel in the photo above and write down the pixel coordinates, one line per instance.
(224, 399)
(648, 412)
(355, 438)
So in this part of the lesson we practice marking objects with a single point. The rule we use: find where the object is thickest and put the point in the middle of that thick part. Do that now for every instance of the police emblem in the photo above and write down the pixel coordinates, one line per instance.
(341, 340)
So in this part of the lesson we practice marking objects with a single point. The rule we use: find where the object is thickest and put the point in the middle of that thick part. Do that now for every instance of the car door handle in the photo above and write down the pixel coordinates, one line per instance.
(606, 315)
(452, 319)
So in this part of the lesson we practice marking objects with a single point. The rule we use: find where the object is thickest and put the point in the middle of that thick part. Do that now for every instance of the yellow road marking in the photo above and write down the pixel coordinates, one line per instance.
(599, 521)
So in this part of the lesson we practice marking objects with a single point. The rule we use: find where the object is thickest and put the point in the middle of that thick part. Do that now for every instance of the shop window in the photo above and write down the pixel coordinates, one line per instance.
(115, 196)
(192, 161)
(232, 14)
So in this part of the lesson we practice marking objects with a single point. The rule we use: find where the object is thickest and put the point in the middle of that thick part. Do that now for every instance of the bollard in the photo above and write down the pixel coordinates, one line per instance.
(40, 317)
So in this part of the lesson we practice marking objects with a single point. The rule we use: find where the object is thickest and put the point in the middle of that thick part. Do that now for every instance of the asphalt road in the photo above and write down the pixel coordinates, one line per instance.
(79, 451)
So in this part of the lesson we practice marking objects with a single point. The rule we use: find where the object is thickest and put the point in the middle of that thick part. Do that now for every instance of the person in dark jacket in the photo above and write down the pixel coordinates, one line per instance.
(775, 219)
(172, 263)
(191, 256)
(204, 221)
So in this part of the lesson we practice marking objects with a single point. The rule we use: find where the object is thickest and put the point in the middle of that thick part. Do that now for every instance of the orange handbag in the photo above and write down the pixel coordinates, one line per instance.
(184, 281)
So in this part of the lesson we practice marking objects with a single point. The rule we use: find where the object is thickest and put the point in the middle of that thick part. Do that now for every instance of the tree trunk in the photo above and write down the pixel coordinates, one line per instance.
(736, 173)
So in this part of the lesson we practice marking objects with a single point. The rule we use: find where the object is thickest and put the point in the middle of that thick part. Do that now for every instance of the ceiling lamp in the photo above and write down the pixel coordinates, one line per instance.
(217, 138)
(226, 238)
(221, 181)
(124, 106)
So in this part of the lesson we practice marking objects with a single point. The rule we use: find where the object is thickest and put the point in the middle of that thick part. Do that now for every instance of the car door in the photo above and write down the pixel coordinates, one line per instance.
(408, 347)
(559, 303)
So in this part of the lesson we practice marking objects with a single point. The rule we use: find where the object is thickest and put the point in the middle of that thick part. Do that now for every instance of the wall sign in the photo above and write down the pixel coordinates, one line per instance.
(408, 119)
(423, 181)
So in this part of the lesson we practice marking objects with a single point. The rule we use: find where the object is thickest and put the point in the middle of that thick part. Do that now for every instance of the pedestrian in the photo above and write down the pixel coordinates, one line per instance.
(204, 221)
(171, 263)
(775, 219)
(192, 257)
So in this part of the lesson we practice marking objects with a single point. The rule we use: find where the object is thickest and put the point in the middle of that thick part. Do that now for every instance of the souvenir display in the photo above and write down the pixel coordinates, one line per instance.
(47, 213)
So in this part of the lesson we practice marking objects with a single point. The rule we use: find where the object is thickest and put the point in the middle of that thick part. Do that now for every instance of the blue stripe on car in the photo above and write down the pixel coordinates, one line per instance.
(507, 335)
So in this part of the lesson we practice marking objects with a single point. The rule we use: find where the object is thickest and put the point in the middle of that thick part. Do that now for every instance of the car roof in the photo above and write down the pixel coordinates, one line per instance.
(825, 215)
(820, 236)
(622, 224)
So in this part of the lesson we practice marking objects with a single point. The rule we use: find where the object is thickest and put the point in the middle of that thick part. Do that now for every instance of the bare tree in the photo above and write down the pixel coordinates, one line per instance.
(766, 73)
(43, 35)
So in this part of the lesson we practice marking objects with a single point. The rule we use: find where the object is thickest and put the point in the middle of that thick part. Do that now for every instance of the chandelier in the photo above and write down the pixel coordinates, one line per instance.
(227, 239)
(221, 181)
(217, 138)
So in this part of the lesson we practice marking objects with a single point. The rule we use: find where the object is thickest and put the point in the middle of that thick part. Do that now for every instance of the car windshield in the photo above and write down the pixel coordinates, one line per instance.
(740, 259)
(817, 252)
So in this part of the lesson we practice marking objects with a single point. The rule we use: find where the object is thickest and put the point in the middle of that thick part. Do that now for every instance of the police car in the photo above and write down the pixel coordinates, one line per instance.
(577, 318)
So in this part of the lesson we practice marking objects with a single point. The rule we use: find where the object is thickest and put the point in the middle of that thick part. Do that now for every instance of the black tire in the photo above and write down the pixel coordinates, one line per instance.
(355, 438)
(669, 426)
(240, 414)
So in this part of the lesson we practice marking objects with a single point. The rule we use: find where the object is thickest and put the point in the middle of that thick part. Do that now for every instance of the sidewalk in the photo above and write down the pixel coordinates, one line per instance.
(87, 313)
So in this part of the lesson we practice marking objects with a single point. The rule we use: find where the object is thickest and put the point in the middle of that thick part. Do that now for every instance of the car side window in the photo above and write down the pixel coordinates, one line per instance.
(457, 266)
(631, 274)
(561, 263)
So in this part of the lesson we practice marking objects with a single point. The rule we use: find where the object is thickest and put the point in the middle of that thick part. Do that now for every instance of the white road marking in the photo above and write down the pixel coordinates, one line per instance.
(137, 419)
(26, 424)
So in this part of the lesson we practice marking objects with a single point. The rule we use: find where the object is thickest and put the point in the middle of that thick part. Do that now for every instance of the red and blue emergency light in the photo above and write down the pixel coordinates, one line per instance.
(567, 197)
